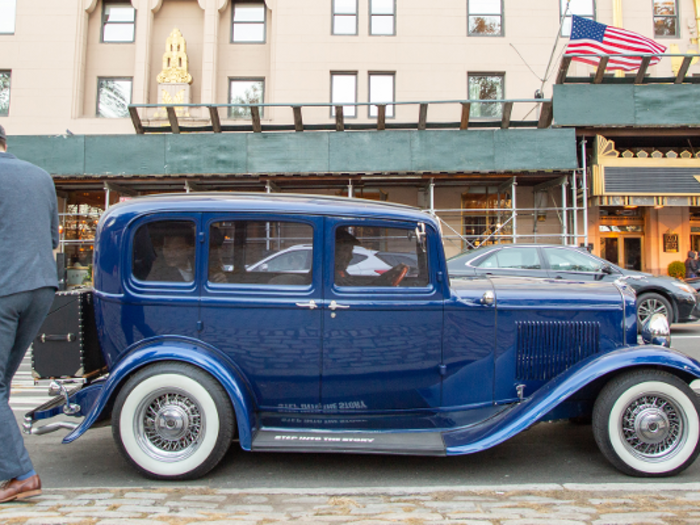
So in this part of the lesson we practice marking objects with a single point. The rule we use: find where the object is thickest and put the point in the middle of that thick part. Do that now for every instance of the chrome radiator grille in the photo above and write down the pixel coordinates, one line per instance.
(547, 348)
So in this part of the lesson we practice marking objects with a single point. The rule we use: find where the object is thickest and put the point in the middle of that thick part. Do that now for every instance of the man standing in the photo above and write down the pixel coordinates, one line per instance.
(28, 281)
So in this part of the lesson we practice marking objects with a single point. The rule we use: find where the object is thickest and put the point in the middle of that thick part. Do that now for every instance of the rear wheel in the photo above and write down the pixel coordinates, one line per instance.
(649, 304)
(646, 423)
(173, 421)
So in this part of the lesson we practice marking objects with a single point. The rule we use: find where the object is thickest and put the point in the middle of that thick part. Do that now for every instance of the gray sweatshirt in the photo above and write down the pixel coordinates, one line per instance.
(28, 227)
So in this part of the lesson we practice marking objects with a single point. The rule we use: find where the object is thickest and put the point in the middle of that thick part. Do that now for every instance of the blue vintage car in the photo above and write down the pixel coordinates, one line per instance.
(185, 348)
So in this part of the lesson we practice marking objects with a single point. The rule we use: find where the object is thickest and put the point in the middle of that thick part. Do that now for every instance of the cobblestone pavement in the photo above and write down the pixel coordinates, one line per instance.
(498, 505)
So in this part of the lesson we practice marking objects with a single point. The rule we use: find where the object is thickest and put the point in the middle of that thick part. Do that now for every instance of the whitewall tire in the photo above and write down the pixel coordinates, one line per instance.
(173, 421)
(646, 423)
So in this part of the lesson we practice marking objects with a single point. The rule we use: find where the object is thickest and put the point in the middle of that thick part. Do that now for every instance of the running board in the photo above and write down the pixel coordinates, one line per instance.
(402, 443)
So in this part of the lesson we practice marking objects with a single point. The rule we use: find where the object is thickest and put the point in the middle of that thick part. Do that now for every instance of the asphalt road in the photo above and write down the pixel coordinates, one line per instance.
(559, 452)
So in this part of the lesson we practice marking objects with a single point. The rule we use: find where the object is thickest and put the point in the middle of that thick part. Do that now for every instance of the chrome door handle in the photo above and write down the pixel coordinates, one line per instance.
(311, 305)
(488, 298)
(335, 305)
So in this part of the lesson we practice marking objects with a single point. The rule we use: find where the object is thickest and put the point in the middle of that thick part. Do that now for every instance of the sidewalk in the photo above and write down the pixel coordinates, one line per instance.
(504, 505)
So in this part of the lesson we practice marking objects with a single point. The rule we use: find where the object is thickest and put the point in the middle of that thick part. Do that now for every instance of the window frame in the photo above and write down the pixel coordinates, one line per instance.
(248, 290)
(390, 107)
(393, 16)
(139, 286)
(334, 15)
(103, 23)
(501, 15)
(476, 74)
(677, 16)
(246, 79)
(9, 90)
(97, 98)
(13, 3)
(233, 23)
(333, 104)
(593, 17)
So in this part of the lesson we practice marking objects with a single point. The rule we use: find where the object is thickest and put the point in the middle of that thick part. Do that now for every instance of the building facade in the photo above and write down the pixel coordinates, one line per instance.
(407, 75)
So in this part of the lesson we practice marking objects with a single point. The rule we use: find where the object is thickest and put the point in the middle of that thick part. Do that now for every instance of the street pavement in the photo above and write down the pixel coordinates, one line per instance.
(553, 473)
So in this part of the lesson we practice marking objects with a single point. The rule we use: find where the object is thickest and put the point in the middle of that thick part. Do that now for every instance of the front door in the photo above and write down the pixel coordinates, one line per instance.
(260, 304)
(382, 324)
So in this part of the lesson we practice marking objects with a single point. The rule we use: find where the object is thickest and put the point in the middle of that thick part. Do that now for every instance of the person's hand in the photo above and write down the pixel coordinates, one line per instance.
(394, 276)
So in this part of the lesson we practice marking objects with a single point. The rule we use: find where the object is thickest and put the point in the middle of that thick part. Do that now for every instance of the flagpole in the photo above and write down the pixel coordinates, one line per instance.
(554, 49)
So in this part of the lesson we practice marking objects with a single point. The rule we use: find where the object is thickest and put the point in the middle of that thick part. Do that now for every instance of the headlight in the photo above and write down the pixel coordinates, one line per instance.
(656, 331)
(684, 287)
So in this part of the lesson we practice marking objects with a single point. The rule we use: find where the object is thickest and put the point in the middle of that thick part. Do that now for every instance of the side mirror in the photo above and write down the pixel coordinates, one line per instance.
(607, 269)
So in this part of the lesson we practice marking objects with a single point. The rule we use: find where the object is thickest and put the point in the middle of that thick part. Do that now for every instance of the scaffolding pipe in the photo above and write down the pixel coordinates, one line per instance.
(574, 189)
(351, 191)
(432, 196)
(514, 236)
(585, 192)
(565, 215)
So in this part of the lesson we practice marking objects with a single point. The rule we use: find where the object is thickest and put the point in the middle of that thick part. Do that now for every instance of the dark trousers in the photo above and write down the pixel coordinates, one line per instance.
(21, 315)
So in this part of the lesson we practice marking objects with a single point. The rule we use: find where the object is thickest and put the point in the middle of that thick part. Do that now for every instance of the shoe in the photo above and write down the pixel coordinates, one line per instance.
(16, 490)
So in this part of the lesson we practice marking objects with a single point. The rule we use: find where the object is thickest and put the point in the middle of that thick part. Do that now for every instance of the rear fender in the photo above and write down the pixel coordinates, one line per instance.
(185, 351)
(534, 408)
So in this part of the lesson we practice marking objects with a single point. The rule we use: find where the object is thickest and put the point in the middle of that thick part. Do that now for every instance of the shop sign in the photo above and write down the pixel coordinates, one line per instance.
(671, 242)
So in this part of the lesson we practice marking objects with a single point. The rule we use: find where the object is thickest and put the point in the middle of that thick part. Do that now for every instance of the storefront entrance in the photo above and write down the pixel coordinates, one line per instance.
(622, 237)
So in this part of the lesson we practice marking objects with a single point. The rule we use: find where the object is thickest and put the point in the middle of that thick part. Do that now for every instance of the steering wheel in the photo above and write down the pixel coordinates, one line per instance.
(394, 276)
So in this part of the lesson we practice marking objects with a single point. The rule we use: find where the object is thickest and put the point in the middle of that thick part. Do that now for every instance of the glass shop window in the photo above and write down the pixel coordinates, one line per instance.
(164, 251)
(260, 253)
(384, 257)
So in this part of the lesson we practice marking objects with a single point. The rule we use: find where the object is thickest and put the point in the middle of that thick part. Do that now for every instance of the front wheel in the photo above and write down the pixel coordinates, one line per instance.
(173, 421)
(646, 423)
(649, 304)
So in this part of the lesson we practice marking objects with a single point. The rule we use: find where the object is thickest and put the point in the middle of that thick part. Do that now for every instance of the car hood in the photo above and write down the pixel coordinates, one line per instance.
(538, 292)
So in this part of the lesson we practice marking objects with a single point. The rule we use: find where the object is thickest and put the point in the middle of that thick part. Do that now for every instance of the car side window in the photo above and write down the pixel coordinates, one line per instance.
(564, 260)
(379, 257)
(260, 252)
(513, 258)
(164, 251)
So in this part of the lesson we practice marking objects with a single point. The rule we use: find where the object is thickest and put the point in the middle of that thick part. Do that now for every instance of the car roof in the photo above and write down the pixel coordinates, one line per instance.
(471, 254)
(268, 203)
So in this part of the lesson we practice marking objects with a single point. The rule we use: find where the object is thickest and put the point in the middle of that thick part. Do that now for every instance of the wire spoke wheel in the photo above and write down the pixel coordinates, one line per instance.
(653, 427)
(646, 423)
(169, 425)
(173, 421)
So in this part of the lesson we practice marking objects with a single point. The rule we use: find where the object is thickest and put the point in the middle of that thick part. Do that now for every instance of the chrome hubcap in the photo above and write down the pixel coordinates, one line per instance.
(653, 427)
(170, 425)
(649, 307)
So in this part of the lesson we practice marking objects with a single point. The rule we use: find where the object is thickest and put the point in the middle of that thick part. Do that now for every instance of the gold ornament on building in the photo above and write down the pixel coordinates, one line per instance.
(175, 64)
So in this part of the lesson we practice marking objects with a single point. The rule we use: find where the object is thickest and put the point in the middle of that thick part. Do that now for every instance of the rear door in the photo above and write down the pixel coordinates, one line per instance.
(266, 318)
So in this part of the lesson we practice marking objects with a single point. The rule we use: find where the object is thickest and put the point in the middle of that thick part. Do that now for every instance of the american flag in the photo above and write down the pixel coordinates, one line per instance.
(592, 38)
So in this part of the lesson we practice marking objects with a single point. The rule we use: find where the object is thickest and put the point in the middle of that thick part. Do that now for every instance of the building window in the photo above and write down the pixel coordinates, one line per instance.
(344, 17)
(381, 17)
(582, 8)
(113, 97)
(381, 90)
(486, 86)
(7, 16)
(344, 91)
(118, 22)
(248, 23)
(666, 18)
(4, 93)
(245, 91)
(485, 17)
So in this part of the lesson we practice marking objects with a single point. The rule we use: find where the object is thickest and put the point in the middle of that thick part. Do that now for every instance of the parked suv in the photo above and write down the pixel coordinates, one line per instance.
(669, 297)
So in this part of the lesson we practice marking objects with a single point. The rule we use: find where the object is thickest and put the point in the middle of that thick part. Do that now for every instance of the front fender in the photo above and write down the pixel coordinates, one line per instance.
(522, 415)
(184, 351)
